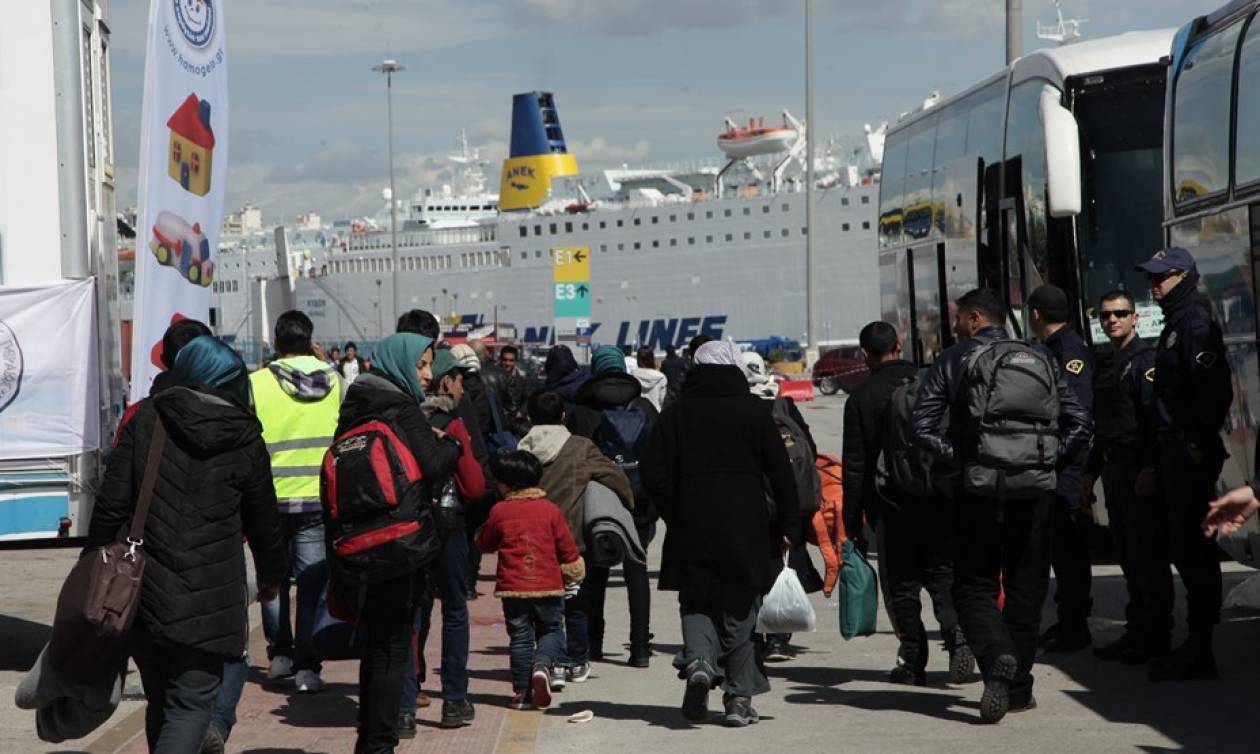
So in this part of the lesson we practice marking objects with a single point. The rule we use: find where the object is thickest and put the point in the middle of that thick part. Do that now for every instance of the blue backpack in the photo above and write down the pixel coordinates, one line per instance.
(500, 440)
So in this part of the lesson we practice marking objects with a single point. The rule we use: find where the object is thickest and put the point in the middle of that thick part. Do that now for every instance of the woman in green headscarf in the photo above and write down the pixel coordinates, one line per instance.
(391, 391)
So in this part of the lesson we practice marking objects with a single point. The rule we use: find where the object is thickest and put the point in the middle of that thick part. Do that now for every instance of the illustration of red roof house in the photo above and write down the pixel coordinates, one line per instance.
(191, 146)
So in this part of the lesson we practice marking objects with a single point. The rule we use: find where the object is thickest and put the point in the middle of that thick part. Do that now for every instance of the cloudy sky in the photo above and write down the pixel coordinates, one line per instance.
(636, 81)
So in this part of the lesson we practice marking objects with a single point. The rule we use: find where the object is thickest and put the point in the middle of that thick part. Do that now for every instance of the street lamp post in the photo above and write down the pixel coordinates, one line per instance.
(810, 130)
(389, 67)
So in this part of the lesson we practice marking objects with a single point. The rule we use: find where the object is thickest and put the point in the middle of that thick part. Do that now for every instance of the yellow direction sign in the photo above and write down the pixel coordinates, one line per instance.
(570, 264)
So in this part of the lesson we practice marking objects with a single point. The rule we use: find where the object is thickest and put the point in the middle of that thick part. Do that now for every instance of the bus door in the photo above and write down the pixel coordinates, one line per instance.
(1013, 272)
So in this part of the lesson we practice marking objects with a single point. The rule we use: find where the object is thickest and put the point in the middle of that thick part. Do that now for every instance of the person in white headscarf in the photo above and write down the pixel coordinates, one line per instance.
(760, 383)
(721, 353)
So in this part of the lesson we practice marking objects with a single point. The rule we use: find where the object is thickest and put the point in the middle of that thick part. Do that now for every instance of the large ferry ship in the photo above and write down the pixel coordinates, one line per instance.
(716, 247)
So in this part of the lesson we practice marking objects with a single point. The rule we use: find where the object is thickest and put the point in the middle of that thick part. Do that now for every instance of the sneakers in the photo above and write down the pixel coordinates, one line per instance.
(962, 663)
(739, 711)
(280, 667)
(996, 699)
(695, 706)
(540, 683)
(406, 725)
(906, 675)
(456, 714)
(308, 682)
(520, 700)
(214, 742)
(777, 650)
(558, 678)
(578, 673)
(1189, 662)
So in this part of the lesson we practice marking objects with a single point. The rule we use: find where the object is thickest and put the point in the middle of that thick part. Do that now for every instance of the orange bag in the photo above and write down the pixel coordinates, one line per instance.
(827, 527)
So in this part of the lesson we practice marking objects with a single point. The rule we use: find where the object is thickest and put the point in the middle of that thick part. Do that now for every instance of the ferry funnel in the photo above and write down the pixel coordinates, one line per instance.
(538, 152)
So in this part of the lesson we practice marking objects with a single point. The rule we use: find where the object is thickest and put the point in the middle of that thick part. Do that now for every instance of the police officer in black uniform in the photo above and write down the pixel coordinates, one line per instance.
(1193, 393)
(1124, 389)
(995, 542)
(1069, 552)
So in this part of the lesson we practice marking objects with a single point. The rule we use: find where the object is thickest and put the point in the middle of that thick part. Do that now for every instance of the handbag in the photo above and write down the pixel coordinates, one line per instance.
(101, 596)
(859, 598)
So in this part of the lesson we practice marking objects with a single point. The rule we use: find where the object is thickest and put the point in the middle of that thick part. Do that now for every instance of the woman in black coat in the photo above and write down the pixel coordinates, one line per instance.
(706, 467)
(214, 483)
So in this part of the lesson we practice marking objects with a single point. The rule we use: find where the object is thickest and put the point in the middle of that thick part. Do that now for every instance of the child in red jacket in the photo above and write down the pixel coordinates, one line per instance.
(537, 561)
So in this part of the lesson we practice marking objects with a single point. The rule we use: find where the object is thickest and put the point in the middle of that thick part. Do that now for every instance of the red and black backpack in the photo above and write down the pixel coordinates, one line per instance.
(379, 526)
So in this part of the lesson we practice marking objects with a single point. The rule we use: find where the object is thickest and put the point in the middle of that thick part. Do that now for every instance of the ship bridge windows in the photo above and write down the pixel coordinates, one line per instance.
(866, 225)
(524, 255)
(568, 227)
(729, 237)
(524, 231)
(586, 226)
(866, 198)
(621, 223)
(727, 213)
(785, 232)
(844, 201)
(786, 207)
(708, 239)
(708, 215)
(537, 230)
(845, 227)
(602, 224)
(637, 245)
(673, 218)
(655, 219)
(747, 236)
(747, 211)
(603, 247)
(638, 221)
(691, 215)
(621, 247)
(765, 209)
(552, 228)
(765, 234)
(673, 242)
(656, 244)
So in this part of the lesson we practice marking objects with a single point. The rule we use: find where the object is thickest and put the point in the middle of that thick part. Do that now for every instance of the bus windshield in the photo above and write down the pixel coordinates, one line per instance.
(1122, 140)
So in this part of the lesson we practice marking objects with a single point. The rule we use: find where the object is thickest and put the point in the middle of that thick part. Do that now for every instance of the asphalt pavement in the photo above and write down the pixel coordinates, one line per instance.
(832, 697)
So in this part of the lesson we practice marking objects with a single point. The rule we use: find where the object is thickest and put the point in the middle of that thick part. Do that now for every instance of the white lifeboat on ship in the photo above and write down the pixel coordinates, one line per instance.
(756, 139)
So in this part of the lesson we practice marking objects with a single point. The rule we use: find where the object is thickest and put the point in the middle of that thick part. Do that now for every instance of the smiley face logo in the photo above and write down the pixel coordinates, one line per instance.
(196, 21)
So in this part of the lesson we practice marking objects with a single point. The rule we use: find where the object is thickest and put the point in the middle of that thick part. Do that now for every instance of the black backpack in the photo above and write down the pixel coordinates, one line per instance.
(801, 454)
(1010, 391)
(903, 467)
(621, 436)
(379, 525)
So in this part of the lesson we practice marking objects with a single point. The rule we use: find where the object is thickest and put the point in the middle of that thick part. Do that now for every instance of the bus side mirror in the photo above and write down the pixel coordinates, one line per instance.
(1063, 156)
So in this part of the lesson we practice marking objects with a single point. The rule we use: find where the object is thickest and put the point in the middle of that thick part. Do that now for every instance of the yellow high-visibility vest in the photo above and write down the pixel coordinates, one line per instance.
(297, 432)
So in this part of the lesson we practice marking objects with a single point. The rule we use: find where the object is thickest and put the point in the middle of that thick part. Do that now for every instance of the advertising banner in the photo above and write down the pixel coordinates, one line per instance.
(183, 174)
(49, 379)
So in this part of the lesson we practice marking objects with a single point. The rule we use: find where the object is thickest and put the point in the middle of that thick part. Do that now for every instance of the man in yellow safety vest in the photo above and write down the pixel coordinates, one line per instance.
(297, 398)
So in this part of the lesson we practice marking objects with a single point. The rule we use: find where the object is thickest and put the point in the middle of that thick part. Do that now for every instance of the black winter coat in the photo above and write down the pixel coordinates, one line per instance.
(865, 413)
(214, 484)
(706, 467)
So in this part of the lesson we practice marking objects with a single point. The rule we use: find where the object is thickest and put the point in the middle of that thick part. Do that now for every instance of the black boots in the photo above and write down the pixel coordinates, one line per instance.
(1191, 661)
(996, 699)
(962, 662)
(1063, 637)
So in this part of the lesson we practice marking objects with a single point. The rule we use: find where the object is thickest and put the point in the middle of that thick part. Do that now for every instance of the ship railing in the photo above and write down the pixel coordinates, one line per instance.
(376, 241)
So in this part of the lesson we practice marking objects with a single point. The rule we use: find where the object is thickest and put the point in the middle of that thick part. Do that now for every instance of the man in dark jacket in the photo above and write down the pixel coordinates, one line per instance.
(214, 485)
(706, 467)
(1124, 388)
(914, 532)
(1073, 518)
(674, 368)
(997, 544)
(1193, 393)
(564, 375)
(610, 388)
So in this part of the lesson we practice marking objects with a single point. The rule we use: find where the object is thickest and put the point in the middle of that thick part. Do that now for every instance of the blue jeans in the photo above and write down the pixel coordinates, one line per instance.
(577, 620)
(305, 535)
(224, 715)
(450, 580)
(535, 635)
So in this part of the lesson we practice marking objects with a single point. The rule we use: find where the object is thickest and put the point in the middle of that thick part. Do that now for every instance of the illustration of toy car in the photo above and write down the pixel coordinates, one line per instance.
(177, 244)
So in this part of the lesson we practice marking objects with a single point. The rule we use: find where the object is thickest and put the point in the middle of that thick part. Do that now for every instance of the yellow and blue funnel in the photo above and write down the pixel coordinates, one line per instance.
(537, 154)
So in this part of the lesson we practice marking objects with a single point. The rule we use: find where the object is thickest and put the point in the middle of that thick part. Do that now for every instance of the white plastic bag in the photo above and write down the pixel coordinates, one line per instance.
(786, 609)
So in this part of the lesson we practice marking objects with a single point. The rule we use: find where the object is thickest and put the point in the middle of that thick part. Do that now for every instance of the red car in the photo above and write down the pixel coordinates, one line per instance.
(839, 369)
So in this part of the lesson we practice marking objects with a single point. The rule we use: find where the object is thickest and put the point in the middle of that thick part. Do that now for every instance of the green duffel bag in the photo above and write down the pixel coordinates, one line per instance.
(859, 593)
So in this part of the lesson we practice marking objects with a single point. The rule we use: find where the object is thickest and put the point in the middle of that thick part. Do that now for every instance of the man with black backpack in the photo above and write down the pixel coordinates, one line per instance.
(888, 482)
(1012, 420)
(1049, 313)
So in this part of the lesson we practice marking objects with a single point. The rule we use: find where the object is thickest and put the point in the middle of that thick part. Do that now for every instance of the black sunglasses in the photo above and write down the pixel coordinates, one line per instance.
(1117, 313)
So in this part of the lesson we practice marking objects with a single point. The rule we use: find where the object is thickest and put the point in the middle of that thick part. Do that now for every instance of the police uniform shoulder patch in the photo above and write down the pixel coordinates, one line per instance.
(1149, 374)
(1172, 340)
(1206, 359)
(1075, 366)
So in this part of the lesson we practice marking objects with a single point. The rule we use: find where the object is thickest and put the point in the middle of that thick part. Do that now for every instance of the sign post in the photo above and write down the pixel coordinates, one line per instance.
(571, 294)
